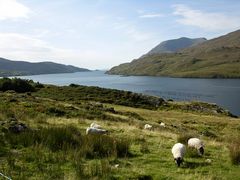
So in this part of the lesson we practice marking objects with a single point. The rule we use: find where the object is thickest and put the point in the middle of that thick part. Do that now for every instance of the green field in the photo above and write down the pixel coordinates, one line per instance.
(54, 145)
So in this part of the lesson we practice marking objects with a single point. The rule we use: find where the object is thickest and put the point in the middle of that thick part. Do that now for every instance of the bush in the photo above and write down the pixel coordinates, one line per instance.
(16, 84)
(234, 150)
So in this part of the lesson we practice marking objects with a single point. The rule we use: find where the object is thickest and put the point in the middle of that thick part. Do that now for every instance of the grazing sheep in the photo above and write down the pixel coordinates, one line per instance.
(95, 125)
(148, 127)
(91, 130)
(162, 124)
(197, 144)
(178, 151)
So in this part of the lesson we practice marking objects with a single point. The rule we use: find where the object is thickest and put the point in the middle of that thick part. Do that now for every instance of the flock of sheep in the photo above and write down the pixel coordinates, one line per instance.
(178, 150)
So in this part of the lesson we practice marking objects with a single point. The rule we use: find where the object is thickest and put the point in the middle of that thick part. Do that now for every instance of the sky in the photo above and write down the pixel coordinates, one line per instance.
(99, 34)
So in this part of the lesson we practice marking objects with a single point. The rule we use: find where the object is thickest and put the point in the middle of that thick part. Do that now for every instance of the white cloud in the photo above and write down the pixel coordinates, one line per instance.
(132, 32)
(151, 16)
(137, 35)
(205, 20)
(27, 48)
(11, 9)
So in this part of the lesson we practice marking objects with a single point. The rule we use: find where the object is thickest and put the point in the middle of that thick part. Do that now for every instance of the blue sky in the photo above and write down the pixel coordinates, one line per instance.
(99, 34)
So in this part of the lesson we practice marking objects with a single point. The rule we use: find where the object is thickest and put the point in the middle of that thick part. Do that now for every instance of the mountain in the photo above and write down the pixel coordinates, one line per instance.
(215, 58)
(175, 45)
(20, 68)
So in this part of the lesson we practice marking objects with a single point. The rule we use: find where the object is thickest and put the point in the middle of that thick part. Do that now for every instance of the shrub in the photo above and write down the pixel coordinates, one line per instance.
(16, 84)
(73, 85)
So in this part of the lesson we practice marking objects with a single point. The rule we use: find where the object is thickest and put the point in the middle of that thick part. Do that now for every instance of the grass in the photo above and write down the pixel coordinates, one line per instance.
(234, 150)
(55, 145)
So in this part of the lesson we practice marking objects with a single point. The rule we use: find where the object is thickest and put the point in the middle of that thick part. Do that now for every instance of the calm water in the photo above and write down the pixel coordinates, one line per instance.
(224, 92)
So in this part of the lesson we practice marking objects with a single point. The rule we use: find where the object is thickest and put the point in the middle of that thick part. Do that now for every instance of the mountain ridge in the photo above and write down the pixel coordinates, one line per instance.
(175, 45)
(21, 68)
(214, 58)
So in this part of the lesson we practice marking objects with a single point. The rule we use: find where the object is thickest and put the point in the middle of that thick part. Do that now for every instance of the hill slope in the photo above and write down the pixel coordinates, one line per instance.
(216, 58)
(175, 45)
(17, 68)
(43, 136)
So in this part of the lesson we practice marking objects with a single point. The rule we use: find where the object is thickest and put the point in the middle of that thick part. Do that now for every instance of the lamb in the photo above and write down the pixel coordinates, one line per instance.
(95, 125)
(92, 130)
(148, 127)
(197, 144)
(178, 151)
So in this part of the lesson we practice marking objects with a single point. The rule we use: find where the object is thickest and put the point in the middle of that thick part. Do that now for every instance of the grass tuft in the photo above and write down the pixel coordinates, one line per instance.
(184, 137)
(234, 150)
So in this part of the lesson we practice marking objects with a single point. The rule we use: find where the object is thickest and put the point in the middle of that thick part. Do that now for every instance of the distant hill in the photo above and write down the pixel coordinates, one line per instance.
(175, 45)
(215, 58)
(20, 68)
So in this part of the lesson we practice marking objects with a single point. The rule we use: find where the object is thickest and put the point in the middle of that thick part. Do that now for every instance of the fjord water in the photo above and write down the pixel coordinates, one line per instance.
(224, 92)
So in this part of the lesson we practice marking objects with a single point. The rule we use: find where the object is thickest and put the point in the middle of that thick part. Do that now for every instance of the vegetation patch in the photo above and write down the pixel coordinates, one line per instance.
(234, 150)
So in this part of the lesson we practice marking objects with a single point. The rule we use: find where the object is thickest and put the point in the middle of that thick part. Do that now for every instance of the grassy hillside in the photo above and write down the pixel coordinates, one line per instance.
(54, 145)
(175, 45)
(21, 68)
(216, 58)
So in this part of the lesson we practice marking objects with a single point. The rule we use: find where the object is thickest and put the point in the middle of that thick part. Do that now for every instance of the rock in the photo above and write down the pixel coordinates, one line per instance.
(209, 161)
(17, 127)
(116, 165)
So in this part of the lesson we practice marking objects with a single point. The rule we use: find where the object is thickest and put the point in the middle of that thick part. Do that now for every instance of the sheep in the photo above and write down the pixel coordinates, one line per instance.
(197, 144)
(178, 151)
(148, 127)
(92, 130)
(95, 125)
(162, 124)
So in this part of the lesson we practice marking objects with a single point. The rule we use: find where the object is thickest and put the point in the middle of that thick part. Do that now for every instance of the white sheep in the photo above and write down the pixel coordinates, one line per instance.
(148, 127)
(95, 125)
(162, 124)
(92, 130)
(197, 144)
(178, 151)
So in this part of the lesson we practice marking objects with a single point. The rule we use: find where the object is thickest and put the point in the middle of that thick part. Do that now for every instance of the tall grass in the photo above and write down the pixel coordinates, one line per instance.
(184, 137)
(234, 150)
(69, 138)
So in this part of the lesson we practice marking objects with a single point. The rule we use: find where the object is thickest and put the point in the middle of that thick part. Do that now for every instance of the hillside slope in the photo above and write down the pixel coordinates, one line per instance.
(216, 58)
(175, 45)
(17, 68)
(43, 136)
